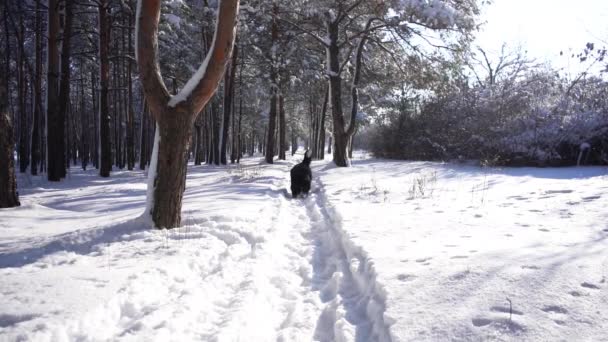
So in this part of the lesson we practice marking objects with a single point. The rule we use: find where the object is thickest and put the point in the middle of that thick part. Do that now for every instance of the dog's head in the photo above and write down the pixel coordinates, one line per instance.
(307, 158)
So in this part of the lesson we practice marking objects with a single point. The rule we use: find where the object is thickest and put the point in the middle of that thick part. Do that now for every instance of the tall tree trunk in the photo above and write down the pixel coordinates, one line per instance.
(270, 134)
(321, 141)
(53, 121)
(35, 145)
(64, 89)
(143, 146)
(95, 141)
(228, 95)
(272, 115)
(335, 93)
(239, 140)
(22, 96)
(341, 133)
(105, 163)
(175, 115)
(215, 131)
(84, 124)
(8, 184)
(130, 113)
(282, 127)
(198, 155)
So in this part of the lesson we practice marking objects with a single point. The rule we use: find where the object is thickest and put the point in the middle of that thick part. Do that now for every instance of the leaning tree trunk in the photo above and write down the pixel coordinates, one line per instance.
(175, 115)
(8, 184)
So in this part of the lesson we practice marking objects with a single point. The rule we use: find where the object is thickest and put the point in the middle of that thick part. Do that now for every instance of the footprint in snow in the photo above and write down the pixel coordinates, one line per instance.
(500, 323)
(480, 322)
(555, 309)
(530, 267)
(406, 277)
(590, 286)
(591, 198)
(460, 275)
(565, 191)
(421, 260)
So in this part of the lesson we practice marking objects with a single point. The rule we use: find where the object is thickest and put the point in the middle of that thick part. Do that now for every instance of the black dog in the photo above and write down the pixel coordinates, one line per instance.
(301, 177)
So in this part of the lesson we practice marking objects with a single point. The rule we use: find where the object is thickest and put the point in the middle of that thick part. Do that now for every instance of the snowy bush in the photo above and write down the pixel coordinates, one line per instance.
(539, 120)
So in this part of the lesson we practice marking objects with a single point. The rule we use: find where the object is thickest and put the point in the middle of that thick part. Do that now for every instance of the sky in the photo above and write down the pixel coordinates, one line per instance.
(545, 27)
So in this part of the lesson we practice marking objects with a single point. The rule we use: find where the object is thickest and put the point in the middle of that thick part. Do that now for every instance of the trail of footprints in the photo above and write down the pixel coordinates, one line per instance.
(505, 317)
(546, 195)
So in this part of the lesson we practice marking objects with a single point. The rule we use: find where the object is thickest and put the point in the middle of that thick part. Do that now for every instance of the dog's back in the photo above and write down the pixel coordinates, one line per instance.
(301, 176)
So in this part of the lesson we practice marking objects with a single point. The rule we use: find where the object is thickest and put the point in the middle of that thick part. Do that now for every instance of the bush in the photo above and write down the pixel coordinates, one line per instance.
(539, 120)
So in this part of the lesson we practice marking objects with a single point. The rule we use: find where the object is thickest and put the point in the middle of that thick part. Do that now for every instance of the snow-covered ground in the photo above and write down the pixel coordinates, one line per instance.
(384, 250)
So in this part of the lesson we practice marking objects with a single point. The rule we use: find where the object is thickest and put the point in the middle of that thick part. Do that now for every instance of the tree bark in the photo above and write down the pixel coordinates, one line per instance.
(53, 121)
(8, 184)
(84, 124)
(143, 146)
(95, 109)
(22, 95)
(321, 143)
(35, 145)
(130, 113)
(282, 127)
(175, 115)
(64, 90)
(105, 162)
(228, 94)
(272, 115)
(335, 94)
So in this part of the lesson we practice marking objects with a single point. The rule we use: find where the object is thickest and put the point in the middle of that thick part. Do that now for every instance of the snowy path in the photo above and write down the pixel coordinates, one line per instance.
(263, 268)
(345, 278)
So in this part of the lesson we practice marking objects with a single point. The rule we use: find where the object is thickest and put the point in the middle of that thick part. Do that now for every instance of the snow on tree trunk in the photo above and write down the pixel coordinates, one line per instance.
(175, 115)
(152, 176)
